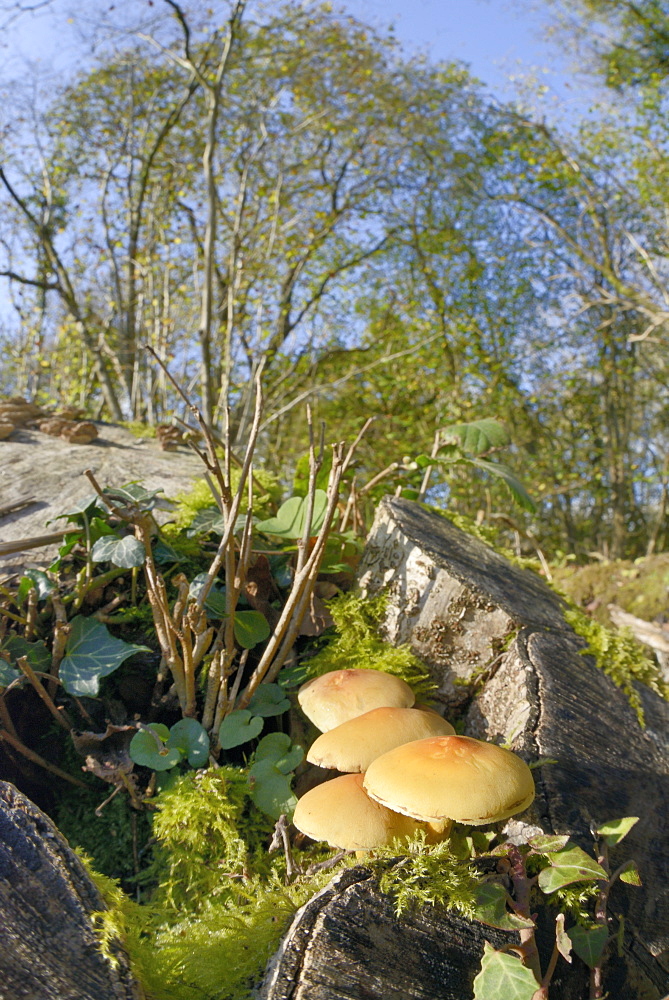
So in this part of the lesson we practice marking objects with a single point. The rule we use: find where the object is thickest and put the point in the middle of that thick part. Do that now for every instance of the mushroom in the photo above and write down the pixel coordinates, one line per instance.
(353, 745)
(342, 814)
(340, 695)
(454, 777)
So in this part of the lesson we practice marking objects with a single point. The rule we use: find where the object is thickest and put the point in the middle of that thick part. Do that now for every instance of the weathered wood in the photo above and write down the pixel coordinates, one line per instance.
(48, 949)
(453, 599)
(457, 603)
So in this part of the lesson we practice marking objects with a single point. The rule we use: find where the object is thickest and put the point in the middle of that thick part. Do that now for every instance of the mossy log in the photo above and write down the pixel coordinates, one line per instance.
(495, 641)
(48, 949)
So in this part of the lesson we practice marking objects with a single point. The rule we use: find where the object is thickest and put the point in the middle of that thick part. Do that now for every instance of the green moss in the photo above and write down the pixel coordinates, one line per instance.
(357, 643)
(222, 904)
(430, 876)
(620, 656)
(267, 496)
(640, 587)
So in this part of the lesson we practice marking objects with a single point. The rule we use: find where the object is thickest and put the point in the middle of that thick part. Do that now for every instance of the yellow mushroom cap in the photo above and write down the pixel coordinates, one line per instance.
(340, 695)
(356, 743)
(341, 813)
(451, 776)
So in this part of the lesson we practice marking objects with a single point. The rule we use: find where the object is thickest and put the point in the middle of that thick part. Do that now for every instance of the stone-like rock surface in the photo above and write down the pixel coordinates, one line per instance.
(465, 609)
(49, 472)
(48, 949)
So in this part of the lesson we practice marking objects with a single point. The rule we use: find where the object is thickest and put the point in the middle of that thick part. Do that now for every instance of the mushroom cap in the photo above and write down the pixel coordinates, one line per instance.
(341, 813)
(340, 695)
(356, 743)
(467, 780)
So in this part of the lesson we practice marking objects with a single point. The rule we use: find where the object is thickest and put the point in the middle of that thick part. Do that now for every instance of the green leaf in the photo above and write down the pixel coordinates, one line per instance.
(630, 874)
(34, 579)
(271, 791)
(503, 977)
(291, 516)
(567, 866)
(91, 653)
(191, 739)
(516, 488)
(268, 700)
(278, 748)
(165, 555)
(124, 552)
(83, 506)
(547, 843)
(422, 461)
(251, 627)
(133, 495)
(38, 656)
(490, 908)
(150, 750)
(616, 829)
(589, 942)
(238, 728)
(477, 437)
(206, 520)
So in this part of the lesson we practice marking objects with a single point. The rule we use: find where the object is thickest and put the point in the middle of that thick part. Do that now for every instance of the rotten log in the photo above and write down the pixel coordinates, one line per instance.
(495, 642)
(48, 948)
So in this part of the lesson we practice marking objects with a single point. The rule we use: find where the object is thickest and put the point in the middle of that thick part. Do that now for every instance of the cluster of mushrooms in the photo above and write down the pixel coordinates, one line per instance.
(405, 768)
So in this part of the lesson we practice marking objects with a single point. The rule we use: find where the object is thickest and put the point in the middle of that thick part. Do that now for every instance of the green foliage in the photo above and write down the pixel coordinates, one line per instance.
(138, 429)
(290, 519)
(199, 499)
(639, 587)
(161, 748)
(90, 654)
(621, 658)
(431, 876)
(270, 775)
(503, 975)
(357, 643)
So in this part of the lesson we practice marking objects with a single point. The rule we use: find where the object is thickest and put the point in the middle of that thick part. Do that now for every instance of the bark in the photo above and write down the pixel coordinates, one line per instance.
(48, 949)
(464, 609)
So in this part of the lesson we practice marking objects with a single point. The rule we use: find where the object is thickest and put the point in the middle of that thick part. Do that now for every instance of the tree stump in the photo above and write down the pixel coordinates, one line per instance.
(48, 949)
(470, 614)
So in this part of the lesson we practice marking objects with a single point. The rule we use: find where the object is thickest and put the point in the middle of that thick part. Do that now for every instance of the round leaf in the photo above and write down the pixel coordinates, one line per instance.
(250, 628)
(149, 750)
(268, 700)
(239, 727)
(191, 738)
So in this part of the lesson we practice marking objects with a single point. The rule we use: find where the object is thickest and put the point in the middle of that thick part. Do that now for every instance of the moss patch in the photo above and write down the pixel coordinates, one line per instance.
(640, 588)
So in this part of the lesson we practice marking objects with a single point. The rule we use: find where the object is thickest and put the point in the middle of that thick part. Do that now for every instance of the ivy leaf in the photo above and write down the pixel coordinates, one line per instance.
(250, 627)
(150, 749)
(503, 975)
(37, 580)
(516, 488)
(206, 520)
(547, 843)
(630, 874)
(490, 908)
(569, 865)
(91, 653)
(83, 506)
(165, 555)
(191, 739)
(616, 829)
(589, 943)
(133, 495)
(240, 727)
(38, 656)
(476, 437)
(124, 552)
(291, 516)
(268, 700)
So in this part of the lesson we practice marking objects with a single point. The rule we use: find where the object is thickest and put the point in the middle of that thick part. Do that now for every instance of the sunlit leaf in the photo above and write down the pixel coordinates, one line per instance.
(490, 908)
(250, 627)
(124, 552)
(291, 516)
(616, 829)
(238, 728)
(569, 865)
(149, 749)
(477, 437)
(503, 977)
(630, 874)
(191, 739)
(516, 488)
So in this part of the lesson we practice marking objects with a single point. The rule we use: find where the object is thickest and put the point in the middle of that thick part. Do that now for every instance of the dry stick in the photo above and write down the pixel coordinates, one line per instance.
(15, 742)
(285, 632)
(315, 463)
(61, 633)
(35, 542)
(5, 717)
(60, 717)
